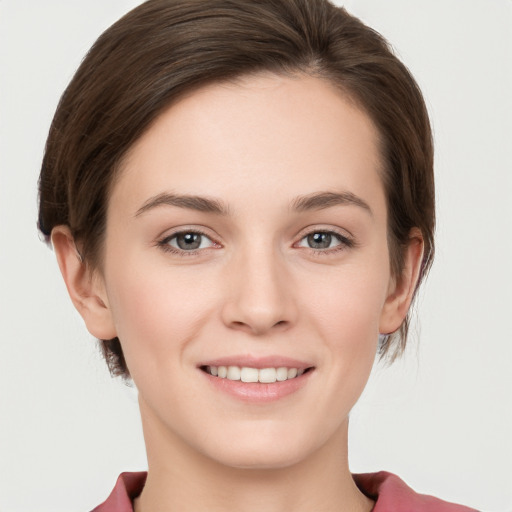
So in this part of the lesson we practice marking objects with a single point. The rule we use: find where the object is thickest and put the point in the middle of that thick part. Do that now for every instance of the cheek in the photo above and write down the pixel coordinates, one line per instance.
(345, 312)
(347, 303)
(156, 313)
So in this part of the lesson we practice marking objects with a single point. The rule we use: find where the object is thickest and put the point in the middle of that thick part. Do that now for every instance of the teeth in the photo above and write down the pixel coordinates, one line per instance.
(268, 375)
(247, 374)
(233, 373)
(281, 374)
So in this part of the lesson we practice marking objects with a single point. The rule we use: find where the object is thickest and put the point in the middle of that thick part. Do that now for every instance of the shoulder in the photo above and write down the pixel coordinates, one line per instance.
(127, 488)
(393, 495)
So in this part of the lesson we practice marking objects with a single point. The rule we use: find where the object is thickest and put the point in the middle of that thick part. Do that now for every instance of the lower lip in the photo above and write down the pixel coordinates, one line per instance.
(256, 392)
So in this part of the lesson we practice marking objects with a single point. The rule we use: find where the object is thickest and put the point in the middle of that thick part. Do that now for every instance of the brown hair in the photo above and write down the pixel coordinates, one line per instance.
(165, 48)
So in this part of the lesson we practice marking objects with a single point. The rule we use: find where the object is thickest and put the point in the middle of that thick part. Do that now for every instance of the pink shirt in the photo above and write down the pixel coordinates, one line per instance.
(389, 492)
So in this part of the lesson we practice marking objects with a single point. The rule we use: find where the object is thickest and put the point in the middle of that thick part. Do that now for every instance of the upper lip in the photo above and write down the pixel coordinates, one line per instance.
(273, 361)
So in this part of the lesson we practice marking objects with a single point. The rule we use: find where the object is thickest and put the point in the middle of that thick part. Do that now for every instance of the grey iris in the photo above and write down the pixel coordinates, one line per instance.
(188, 241)
(319, 240)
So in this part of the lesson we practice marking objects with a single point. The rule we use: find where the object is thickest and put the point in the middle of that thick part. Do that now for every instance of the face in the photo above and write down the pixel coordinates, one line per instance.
(247, 235)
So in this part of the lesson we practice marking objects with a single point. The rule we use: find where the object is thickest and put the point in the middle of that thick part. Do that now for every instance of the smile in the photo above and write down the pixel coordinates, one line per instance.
(257, 380)
(249, 374)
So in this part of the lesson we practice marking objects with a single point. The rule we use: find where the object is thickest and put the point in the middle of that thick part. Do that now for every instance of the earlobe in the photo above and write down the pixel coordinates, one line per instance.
(402, 288)
(86, 288)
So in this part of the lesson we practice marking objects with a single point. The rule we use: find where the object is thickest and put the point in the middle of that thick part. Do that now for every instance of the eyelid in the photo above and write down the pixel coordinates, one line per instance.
(346, 239)
(163, 240)
(178, 235)
(323, 228)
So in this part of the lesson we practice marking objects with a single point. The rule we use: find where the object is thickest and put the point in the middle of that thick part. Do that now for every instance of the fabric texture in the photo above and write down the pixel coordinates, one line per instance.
(392, 494)
(387, 490)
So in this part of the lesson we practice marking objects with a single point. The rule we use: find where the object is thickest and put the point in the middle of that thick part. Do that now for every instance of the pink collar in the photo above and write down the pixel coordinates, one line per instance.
(389, 492)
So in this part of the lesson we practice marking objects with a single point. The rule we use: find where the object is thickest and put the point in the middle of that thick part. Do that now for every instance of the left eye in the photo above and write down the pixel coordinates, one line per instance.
(189, 241)
(321, 240)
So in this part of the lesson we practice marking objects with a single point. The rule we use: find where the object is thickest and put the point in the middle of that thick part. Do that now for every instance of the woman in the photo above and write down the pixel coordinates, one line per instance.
(241, 202)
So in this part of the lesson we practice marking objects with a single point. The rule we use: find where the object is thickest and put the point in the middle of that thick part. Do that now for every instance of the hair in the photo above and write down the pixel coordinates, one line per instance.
(165, 48)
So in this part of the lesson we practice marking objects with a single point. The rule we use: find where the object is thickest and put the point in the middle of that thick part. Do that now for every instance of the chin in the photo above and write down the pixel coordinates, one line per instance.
(262, 450)
(259, 460)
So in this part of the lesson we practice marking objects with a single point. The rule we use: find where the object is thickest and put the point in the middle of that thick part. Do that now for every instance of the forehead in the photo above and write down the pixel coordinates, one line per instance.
(258, 134)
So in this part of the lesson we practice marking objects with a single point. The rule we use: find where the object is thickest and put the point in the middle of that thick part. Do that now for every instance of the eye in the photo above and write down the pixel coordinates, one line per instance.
(321, 240)
(187, 241)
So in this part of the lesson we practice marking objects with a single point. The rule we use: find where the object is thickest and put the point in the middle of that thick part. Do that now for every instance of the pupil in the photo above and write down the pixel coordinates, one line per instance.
(189, 241)
(319, 240)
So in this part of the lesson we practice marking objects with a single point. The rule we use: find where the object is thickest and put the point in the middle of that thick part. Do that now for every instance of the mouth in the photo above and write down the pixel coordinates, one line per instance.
(249, 374)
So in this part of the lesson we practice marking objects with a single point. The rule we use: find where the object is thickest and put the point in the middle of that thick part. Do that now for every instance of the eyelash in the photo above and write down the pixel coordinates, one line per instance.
(164, 243)
(344, 242)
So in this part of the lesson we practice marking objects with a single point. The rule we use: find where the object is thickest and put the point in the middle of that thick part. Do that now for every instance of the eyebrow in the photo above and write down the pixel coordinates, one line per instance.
(198, 203)
(315, 201)
(322, 200)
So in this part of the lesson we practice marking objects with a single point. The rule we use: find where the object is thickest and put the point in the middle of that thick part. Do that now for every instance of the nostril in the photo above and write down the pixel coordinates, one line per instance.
(259, 328)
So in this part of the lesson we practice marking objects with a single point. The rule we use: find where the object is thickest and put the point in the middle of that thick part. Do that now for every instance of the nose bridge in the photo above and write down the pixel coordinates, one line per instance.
(260, 298)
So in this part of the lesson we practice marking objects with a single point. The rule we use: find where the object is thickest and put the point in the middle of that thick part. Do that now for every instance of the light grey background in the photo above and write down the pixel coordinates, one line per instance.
(441, 418)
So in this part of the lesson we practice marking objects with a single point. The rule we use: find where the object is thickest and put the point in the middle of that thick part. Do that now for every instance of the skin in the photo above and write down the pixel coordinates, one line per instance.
(255, 287)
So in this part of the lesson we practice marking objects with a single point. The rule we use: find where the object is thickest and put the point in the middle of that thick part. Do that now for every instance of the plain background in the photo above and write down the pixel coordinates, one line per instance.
(441, 418)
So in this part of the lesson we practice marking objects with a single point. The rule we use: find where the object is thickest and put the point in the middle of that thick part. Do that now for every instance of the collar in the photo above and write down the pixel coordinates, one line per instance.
(390, 493)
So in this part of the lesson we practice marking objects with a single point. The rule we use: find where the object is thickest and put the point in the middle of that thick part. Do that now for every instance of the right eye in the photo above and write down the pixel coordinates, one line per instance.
(321, 240)
(186, 241)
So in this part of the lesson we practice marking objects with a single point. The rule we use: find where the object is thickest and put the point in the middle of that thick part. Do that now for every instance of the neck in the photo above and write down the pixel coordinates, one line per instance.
(181, 479)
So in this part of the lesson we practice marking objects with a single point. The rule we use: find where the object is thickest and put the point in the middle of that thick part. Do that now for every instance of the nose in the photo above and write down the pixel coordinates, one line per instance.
(259, 294)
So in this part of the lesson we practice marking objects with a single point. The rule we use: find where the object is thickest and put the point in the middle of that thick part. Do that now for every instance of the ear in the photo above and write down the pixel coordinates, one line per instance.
(401, 288)
(85, 287)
